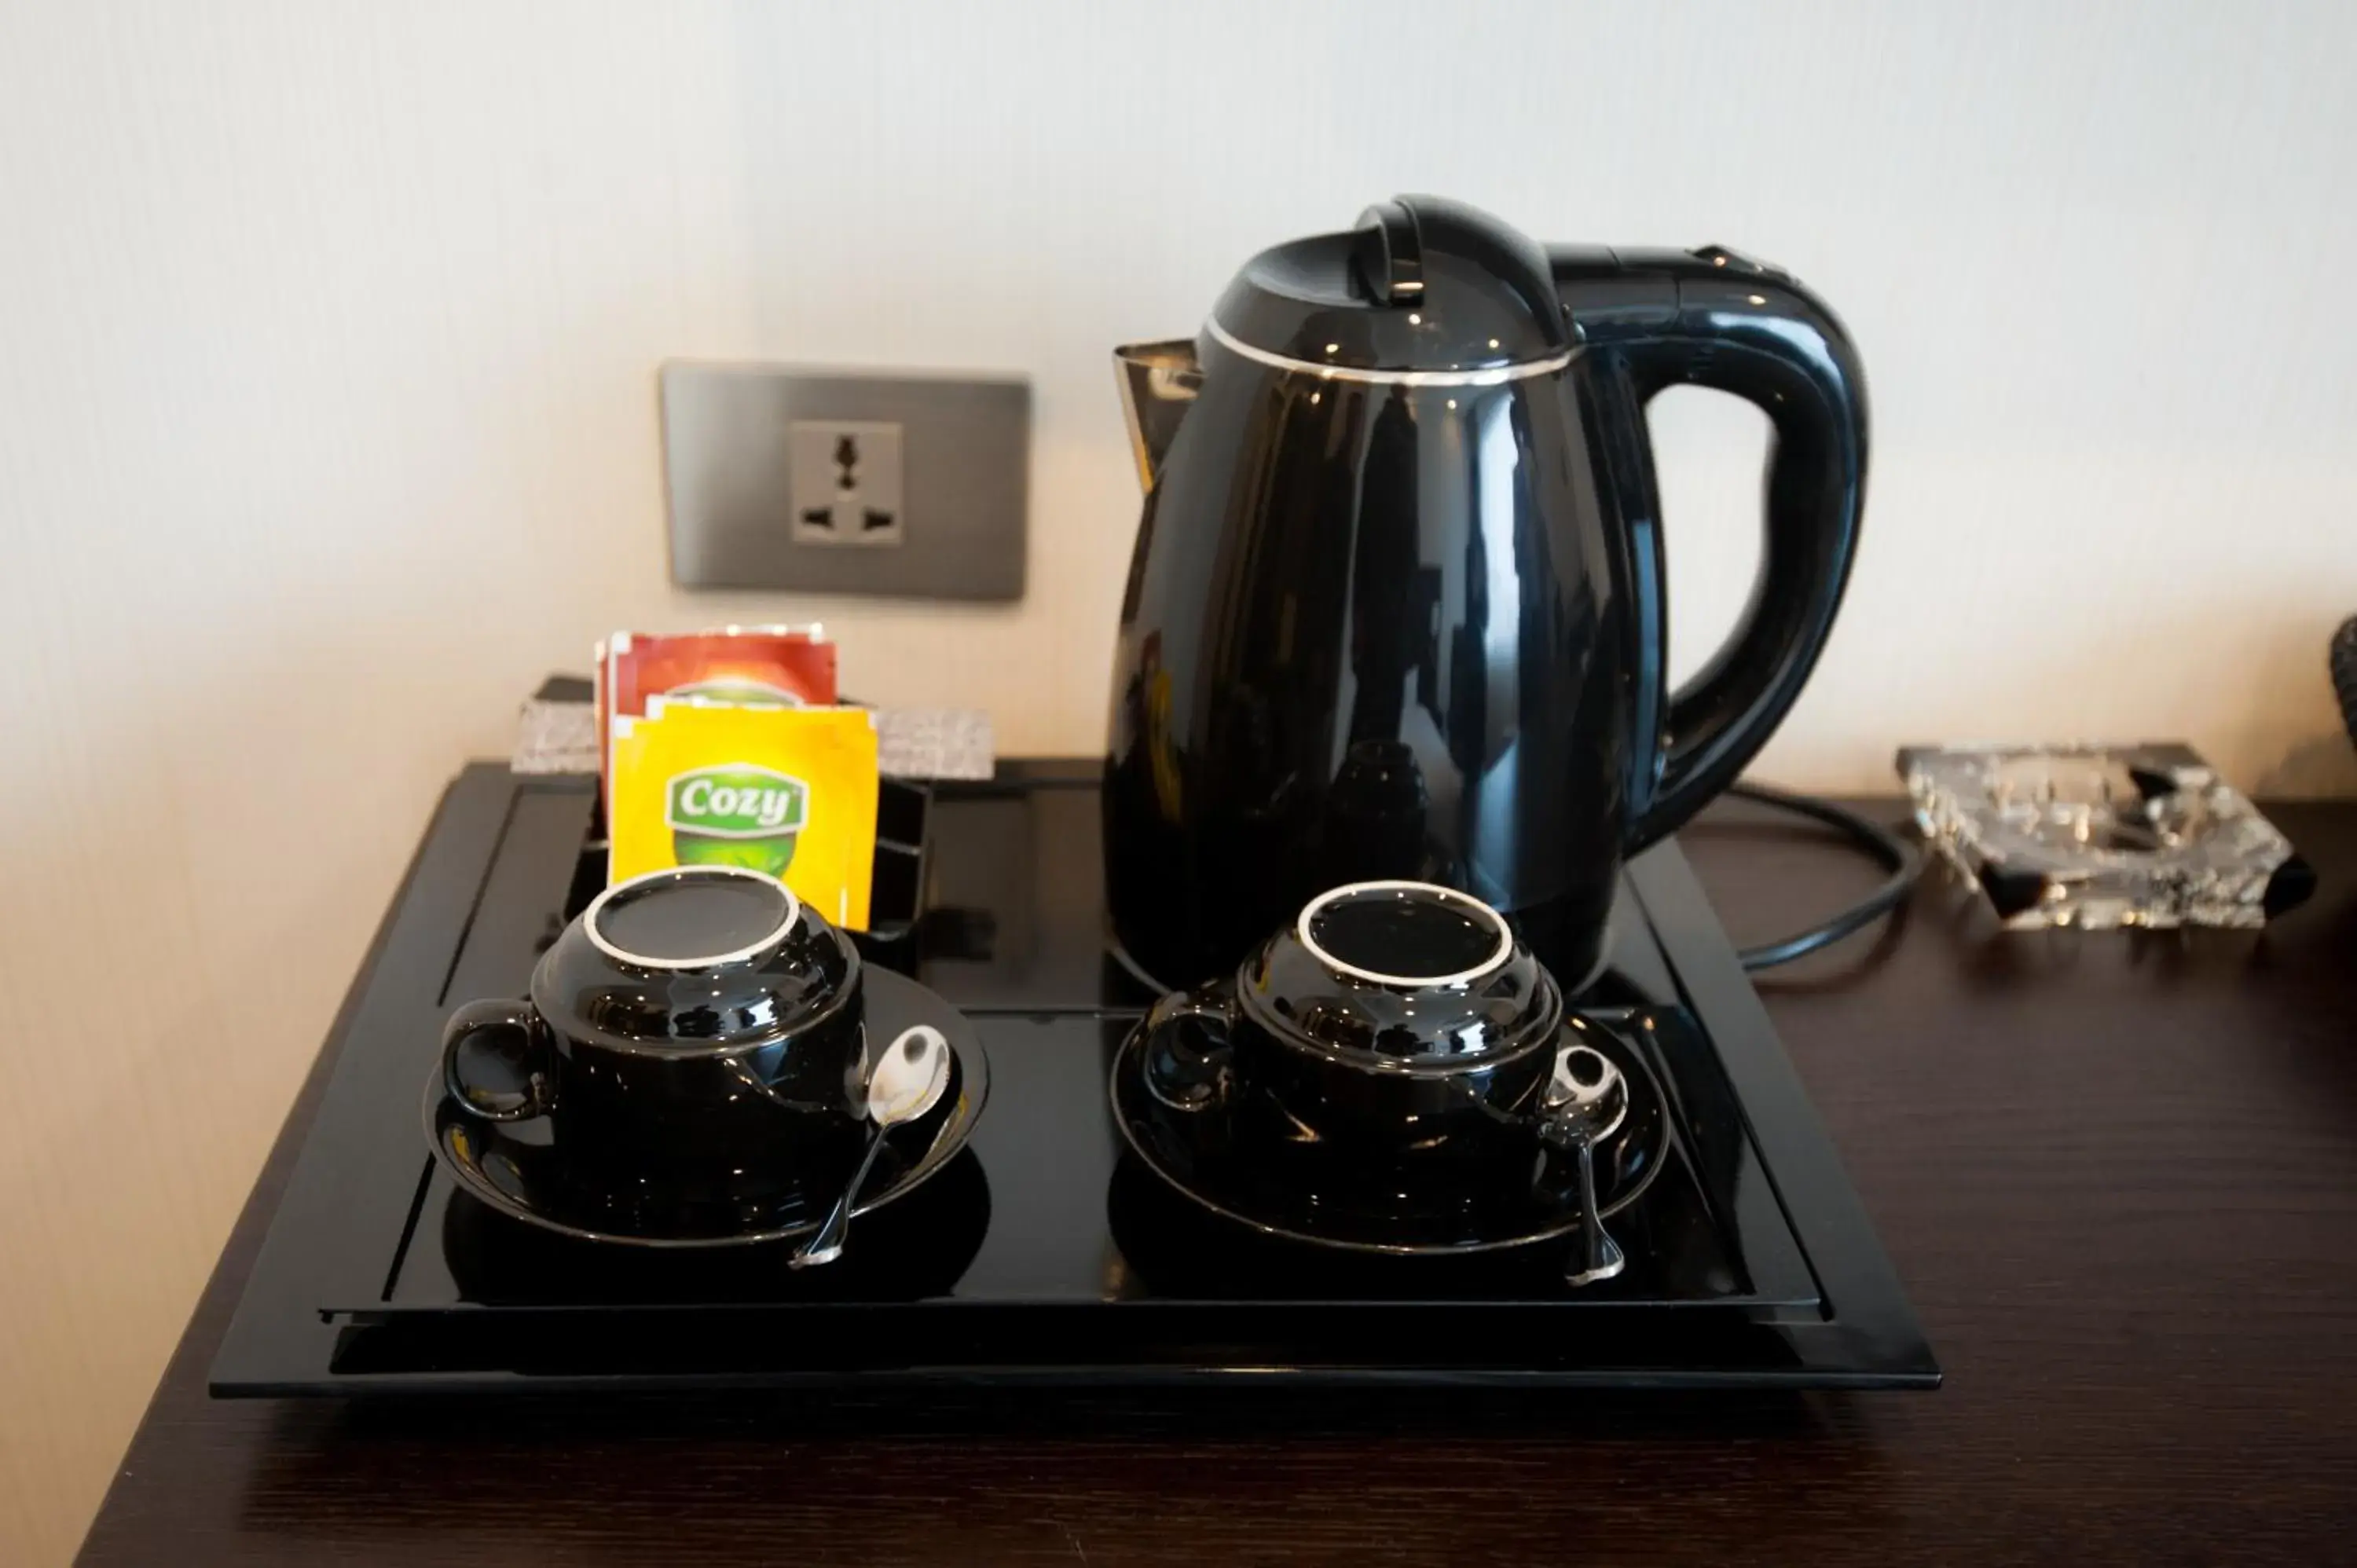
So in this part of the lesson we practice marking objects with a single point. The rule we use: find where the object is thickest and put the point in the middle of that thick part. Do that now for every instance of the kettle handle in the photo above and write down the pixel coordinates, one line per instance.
(1717, 319)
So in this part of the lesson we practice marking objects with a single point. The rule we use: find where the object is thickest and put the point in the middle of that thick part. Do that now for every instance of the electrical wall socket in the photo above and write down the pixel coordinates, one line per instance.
(845, 477)
(907, 486)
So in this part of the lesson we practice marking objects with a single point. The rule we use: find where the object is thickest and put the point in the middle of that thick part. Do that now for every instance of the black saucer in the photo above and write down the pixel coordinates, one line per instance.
(521, 1168)
(1218, 1157)
(917, 1247)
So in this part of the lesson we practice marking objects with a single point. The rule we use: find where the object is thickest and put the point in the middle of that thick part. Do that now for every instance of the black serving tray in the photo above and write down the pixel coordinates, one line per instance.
(1042, 1254)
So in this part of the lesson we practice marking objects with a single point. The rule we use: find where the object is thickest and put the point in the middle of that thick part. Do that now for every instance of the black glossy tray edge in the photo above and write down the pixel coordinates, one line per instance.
(1867, 1303)
(1878, 1331)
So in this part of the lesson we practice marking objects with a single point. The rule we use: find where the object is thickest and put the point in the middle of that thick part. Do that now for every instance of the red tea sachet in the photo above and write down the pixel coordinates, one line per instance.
(753, 666)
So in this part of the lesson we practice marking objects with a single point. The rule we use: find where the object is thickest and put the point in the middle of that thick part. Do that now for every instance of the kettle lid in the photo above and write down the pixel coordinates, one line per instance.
(1422, 284)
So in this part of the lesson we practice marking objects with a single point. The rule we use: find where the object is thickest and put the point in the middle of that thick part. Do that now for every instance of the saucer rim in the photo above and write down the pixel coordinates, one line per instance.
(974, 1090)
(1132, 1045)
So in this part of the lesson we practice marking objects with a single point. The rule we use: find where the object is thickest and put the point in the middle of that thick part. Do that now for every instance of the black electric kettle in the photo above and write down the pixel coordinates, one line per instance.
(1396, 604)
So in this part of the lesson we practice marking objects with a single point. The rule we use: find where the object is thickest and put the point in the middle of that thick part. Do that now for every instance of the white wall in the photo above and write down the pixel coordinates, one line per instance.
(328, 335)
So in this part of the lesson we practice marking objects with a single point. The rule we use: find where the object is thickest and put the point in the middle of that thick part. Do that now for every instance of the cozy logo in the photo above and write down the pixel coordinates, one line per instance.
(736, 801)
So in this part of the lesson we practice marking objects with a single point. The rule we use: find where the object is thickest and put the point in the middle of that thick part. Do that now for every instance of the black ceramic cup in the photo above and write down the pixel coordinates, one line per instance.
(1391, 1020)
(692, 1021)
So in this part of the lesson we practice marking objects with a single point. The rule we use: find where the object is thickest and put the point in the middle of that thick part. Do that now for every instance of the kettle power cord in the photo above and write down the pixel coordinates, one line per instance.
(1904, 860)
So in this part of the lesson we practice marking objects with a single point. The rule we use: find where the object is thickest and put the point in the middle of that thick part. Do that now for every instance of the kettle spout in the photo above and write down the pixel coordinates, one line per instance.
(1158, 381)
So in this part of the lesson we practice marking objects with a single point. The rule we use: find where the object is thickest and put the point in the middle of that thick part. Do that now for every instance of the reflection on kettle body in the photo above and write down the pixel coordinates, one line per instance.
(1374, 821)
(1385, 576)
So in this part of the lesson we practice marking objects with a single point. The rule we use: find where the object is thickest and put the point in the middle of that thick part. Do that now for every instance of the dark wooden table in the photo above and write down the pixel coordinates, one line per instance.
(2117, 1172)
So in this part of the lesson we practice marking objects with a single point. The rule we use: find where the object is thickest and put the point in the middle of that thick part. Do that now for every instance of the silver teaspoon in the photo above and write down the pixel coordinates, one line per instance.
(908, 1081)
(1586, 1100)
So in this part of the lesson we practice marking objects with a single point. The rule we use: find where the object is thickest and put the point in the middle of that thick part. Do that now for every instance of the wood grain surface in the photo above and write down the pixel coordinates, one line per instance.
(2117, 1172)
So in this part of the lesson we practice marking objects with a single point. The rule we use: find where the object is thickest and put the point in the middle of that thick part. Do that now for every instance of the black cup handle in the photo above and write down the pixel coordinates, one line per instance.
(512, 1034)
(1186, 1045)
(1713, 318)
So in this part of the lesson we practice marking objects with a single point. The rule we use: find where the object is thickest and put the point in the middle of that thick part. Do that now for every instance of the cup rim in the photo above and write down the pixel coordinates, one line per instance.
(620, 954)
(1503, 952)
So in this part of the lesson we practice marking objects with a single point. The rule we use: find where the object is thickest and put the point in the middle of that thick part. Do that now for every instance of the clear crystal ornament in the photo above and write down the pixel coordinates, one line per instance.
(2101, 836)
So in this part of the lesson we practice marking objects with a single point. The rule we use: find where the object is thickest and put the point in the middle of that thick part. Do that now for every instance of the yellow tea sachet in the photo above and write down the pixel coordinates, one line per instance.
(787, 791)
